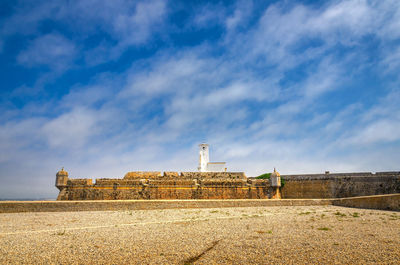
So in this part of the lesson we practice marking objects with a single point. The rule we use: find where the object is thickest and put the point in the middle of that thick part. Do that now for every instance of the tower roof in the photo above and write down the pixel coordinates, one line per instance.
(62, 172)
(275, 173)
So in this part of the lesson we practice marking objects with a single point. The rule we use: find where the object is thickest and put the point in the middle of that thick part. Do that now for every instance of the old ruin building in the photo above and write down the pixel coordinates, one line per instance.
(167, 185)
(225, 185)
(214, 182)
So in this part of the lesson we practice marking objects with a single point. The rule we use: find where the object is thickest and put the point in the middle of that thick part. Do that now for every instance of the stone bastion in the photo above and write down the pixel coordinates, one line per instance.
(225, 185)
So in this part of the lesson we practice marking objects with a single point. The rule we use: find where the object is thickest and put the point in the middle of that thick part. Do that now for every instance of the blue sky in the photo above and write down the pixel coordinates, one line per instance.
(107, 87)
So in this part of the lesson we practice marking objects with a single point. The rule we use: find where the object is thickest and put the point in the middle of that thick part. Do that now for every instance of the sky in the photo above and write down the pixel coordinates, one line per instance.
(106, 87)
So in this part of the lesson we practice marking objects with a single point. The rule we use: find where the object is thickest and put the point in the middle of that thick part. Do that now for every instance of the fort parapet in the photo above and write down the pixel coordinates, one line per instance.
(167, 185)
(225, 185)
(340, 185)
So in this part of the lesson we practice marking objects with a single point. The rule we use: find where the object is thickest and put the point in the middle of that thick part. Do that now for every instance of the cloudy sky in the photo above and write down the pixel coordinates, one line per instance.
(107, 87)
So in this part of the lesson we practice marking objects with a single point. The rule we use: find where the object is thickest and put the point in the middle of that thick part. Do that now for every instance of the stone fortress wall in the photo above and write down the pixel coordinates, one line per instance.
(225, 185)
(169, 185)
(340, 185)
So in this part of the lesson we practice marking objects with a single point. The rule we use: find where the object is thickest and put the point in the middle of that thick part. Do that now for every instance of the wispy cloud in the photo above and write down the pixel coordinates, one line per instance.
(51, 50)
(305, 88)
(123, 23)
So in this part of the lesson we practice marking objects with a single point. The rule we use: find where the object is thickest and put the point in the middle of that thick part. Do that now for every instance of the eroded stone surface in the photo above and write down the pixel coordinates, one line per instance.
(228, 185)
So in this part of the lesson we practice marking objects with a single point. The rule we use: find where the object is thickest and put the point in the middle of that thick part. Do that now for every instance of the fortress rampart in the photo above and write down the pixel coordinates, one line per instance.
(340, 185)
(167, 185)
(225, 185)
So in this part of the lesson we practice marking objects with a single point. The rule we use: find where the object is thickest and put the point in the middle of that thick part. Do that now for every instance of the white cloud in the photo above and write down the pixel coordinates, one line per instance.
(209, 15)
(242, 12)
(381, 131)
(151, 116)
(127, 24)
(337, 123)
(345, 19)
(71, 130)
(387, 17)
(52, 50)
(136, 27)
(27, 16)
(378, 125)
(283, 31)
(391, 60)
(325, 78)
(168, 75)
(18, 136)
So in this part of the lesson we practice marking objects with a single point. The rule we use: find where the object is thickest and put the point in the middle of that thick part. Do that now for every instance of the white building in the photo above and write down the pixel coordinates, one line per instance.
(204, 161)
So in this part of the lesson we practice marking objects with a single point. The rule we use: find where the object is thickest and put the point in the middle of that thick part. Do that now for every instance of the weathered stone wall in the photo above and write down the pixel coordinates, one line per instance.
(79, 182)
(382, 202)
(143, 175)
(229, 185)
(124, 205)
(214, 175)
(170, 185)
(340, 185)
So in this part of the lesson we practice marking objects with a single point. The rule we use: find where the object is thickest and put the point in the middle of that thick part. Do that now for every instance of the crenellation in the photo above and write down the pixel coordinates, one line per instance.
(79, 182)
(143, 175)
(214, 175)
(171, 174)
(104, 181)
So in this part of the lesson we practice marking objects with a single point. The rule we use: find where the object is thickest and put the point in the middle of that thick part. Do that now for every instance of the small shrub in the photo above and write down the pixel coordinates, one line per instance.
(264, 176)
(265, 232)
(324, 228)
(340, 214)
(394, 217)
(268, 176)
(282, 182)
(356, 215)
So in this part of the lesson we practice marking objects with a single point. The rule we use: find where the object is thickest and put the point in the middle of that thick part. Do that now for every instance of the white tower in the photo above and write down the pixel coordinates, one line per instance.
(204, 157)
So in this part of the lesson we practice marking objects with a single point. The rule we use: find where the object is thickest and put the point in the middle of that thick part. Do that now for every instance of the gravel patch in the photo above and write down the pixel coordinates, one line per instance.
(260, 235)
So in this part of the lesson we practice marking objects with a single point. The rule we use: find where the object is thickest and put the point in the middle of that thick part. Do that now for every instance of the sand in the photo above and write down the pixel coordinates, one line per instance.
(253, 235)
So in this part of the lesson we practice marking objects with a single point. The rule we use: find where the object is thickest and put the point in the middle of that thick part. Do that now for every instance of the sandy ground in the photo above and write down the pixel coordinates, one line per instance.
(258, 235)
